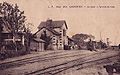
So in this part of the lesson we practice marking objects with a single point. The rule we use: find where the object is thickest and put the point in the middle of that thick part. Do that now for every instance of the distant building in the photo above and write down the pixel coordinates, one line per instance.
(37, 44)
(54, 32)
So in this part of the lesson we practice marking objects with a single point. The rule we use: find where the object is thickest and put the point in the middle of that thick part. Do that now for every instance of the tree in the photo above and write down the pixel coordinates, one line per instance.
(13, 18)
(1, 29)
(91, 36)
(46, 38)
(80, 38)
(28, 37)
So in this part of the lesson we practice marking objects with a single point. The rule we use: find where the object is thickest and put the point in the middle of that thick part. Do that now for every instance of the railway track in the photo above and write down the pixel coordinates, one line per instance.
(41, 58)
(53, 70)
(20, 61)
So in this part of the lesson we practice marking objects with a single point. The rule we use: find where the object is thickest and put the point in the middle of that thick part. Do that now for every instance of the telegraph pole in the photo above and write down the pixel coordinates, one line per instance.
(108, 43)
(100, 35)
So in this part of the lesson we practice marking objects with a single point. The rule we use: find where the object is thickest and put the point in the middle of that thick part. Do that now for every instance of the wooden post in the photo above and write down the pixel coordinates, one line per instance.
(23, 40)
(1, 32)
(0, 37)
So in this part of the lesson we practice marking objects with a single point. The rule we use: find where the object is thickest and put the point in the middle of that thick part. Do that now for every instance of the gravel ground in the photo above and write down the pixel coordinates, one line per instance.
(92, 70)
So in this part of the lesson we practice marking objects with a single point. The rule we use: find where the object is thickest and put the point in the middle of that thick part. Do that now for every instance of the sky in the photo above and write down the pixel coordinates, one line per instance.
(102, 18)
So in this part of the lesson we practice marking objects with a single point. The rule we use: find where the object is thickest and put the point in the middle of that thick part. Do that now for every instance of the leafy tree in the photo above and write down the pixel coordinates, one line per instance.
(1, 29)
(91, 36)
(28, 37)
(79, 38)
(12, 18)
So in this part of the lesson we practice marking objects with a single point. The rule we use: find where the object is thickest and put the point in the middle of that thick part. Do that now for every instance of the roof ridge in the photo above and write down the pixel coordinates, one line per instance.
(51, 30)
(55, 24)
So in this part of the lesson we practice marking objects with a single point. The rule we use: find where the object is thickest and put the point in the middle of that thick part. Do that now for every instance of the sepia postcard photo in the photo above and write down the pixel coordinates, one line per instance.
(59, 37)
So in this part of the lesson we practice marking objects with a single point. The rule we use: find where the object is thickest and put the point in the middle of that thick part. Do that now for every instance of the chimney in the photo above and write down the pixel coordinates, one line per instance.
(49, 21)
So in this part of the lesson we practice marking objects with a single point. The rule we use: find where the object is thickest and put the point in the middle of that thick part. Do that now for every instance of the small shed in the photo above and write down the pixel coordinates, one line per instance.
(37, 44)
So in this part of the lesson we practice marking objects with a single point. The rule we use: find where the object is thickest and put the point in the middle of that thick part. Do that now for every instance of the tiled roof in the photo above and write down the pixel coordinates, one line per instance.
(51, 30)
(70, 38)
(54, 24)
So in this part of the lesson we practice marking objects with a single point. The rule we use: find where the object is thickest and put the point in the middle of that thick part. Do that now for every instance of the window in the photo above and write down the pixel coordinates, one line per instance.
(53, 41)
(60, 36)
(64, 32)
(53, 44)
